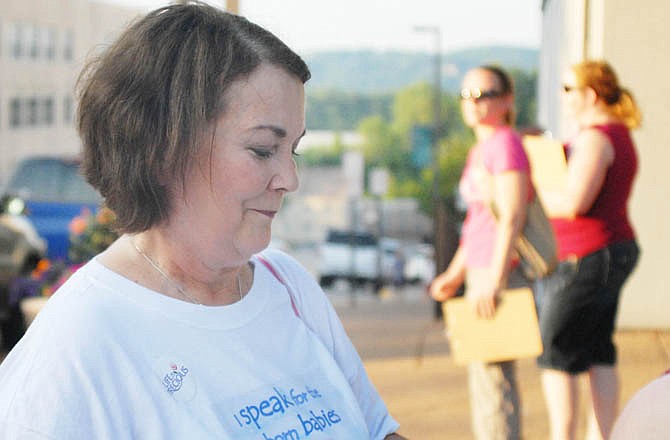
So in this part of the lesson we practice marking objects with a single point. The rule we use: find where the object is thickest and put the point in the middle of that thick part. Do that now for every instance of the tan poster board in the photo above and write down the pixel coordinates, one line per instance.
(547, 162)
(512, 334)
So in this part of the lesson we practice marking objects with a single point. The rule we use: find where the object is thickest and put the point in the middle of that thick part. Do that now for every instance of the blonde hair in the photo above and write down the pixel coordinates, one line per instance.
(619, 102)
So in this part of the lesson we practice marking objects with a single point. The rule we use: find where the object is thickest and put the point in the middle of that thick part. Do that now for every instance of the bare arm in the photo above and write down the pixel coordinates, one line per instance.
(446, 284)
(510, 196)
(592, 154)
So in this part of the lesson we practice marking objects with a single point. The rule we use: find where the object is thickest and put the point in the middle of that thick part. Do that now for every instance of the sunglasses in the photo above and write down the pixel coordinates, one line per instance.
(478, 94)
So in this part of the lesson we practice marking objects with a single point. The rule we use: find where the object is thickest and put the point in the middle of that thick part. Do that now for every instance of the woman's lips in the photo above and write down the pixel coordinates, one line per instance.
(270, 214)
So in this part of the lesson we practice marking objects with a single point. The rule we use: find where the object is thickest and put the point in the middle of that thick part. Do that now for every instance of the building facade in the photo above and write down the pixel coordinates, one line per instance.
(43, 46)
(632, 36)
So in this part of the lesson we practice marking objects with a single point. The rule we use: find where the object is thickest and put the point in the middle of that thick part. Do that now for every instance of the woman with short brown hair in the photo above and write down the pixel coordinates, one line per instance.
(186, 326)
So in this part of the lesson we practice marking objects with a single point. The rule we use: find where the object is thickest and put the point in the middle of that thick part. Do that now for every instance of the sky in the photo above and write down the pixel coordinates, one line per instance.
(309, 26)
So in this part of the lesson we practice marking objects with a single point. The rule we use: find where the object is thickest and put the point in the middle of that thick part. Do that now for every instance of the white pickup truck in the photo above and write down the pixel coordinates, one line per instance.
(355, 256)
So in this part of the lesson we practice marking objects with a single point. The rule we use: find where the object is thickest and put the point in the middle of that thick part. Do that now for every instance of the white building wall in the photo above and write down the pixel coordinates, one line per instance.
(632, 36)
(563, 35)
(32, 77)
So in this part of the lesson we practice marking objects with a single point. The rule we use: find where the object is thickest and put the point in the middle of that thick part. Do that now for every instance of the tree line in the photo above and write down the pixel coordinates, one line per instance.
(386, 123)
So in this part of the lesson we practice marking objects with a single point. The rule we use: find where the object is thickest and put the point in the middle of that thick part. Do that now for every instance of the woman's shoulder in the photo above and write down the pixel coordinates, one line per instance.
(505, 151)
(505, 139)
(67, 329)
(287, 269)
(302, 284)
(78, 309)
(594, 132)
(615, 133)
(283, 261)
(594, 141)
(506, 135)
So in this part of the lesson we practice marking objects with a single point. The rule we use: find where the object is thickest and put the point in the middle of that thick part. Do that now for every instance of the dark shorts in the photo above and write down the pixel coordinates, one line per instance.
(577, 307)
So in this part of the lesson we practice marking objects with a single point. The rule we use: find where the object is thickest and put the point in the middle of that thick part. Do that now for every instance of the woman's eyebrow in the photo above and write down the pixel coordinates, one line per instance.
(278, 131)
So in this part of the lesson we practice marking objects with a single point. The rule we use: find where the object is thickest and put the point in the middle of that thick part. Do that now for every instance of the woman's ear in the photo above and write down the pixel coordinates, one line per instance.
(509, 101)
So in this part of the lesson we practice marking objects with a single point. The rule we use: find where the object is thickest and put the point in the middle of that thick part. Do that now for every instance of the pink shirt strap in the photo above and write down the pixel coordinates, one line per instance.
(274, 272)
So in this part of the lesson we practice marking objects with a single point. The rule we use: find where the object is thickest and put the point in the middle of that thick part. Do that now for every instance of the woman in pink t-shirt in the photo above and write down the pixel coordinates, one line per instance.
(497, 170)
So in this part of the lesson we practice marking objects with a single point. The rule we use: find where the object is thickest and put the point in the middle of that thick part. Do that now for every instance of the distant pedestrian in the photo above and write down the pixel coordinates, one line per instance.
(398, 268)
(578, 303)
(497, 171)
(181, 329)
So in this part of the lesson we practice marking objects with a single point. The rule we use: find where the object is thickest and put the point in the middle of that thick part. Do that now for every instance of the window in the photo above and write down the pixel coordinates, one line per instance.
(33, 40)
(68, 111)
(32, 111)
(16, 40)
(32, 108)
(68, 45)
(14, 112)
(47, 38)
(47, 110)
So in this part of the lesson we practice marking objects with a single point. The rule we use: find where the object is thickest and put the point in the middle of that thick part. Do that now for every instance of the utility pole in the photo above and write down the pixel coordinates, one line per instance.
(439, 208)
(233, 6)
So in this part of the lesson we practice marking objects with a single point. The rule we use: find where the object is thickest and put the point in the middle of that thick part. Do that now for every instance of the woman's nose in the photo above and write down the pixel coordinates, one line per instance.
(286, 177)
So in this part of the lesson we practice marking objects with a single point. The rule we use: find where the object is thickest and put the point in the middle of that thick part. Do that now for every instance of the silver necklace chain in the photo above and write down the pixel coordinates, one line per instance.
(174, 284)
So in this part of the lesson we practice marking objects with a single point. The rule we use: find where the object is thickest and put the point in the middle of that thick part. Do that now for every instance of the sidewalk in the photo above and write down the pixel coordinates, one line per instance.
(407, 357)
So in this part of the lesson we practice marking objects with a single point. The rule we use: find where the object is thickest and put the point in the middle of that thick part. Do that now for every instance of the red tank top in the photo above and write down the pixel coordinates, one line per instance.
(607, 221)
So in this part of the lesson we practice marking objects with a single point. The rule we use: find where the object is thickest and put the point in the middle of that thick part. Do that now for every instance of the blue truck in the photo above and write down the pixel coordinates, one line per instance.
(41, 198)
(50, 192)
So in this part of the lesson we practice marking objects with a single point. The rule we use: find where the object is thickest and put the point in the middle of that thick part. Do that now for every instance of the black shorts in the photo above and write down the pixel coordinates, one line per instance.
(577, 307)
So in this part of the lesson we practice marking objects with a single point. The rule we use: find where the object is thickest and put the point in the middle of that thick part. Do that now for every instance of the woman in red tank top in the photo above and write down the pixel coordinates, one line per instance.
(577, 304)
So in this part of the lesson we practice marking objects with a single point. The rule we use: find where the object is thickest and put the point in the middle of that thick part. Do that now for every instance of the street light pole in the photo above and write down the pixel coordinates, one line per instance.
(439, 210)
(233, 6)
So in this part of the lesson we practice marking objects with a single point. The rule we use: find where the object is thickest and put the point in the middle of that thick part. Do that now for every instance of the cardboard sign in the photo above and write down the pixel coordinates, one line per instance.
(513, 333)
(548, 164)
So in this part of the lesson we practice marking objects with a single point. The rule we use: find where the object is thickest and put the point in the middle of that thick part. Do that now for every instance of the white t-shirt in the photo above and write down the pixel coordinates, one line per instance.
(109, 359)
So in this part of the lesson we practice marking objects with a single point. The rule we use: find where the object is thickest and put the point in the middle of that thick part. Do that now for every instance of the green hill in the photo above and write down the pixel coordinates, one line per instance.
(382, 72)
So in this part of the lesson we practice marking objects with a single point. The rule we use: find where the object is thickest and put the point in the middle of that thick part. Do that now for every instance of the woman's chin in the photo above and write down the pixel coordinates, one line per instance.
(258, 245)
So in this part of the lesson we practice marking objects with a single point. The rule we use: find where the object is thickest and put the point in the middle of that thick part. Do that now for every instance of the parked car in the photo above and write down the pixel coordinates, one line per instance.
(356, 257)
(50, 192)
(420, 264)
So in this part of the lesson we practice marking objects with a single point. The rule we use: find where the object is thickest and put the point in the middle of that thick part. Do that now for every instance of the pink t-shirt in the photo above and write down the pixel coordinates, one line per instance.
(500, 153)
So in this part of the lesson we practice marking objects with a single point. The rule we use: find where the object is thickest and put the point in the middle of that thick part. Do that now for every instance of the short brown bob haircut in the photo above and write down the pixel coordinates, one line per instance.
(145, 103)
